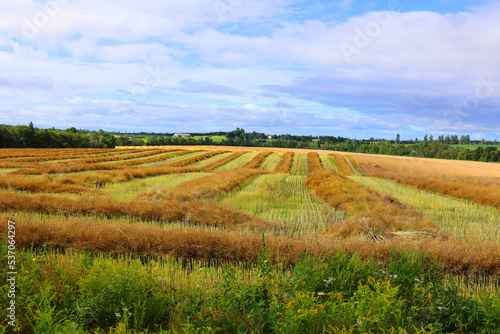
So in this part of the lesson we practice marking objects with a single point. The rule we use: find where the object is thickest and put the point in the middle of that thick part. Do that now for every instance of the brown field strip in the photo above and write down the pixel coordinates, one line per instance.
(343, 166)
(208, 186)
(153, 159)
(223, 161)
(371, 214)
(482, 190)
(286, 163)
(233, 245)
(39, 185)
(71, 156)
(258, 160)
(82, 165)
(314, 162)
(194, 211)
(192, 160)
(17, 153)
(427, 167)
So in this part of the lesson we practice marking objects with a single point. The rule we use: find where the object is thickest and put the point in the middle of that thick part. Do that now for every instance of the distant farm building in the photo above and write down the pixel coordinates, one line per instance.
(181, 135)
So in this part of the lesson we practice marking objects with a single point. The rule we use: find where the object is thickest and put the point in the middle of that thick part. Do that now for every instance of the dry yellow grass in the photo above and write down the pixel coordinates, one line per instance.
(460, 179)
(426, 167)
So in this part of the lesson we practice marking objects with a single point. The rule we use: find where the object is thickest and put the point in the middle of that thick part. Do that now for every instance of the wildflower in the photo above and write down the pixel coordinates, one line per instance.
(321, 293)
(299, 310)
(380, 263)
(118, 314)
(393, 276)
(288, 296)
(161, 278)
(125, 309)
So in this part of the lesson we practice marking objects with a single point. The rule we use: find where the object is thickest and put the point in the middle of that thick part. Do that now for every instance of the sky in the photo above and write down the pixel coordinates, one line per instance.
(350, 68)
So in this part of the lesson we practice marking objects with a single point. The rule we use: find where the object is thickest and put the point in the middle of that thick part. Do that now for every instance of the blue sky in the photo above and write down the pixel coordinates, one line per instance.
(348, 68)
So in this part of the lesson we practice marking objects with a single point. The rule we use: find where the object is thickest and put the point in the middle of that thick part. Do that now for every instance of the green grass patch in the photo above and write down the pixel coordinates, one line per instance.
(328, 162)
(286, 200)
(272, 161)
(300, 165)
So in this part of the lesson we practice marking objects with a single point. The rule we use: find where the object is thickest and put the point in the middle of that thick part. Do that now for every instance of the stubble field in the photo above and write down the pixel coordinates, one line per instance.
(233, 240)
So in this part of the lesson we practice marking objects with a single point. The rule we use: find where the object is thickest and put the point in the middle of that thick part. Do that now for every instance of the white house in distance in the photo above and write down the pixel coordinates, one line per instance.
(181, 135)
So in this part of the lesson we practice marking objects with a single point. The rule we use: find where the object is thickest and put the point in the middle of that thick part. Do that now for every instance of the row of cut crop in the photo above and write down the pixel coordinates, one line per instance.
(286, 163)
(479, 192)
(233, 245)
(314, 162)
(371, 214)
(193, 211)
(207, 186)
(192, 160)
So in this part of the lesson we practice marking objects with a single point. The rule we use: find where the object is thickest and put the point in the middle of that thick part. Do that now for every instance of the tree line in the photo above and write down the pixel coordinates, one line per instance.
(444, 147)
(22, 136)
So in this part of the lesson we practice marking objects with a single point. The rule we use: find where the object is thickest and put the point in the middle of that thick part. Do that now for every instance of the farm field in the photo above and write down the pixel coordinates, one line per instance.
(211, 239)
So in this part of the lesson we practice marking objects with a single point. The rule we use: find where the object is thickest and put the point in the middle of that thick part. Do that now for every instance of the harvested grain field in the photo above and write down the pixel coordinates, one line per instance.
(216, 206)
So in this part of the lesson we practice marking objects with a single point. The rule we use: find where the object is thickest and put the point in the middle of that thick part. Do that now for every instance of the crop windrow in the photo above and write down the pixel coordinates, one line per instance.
(465, 188)
(372, 215)
(286, 163)
(258, 160)
(192, 211)
(192, 160)
(206, 187)
(314, 162)
(344, 167)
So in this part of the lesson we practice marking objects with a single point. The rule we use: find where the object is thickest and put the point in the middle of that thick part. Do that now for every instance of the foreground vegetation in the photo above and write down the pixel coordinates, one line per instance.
(221, 240)
(84, 292)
